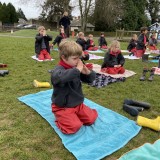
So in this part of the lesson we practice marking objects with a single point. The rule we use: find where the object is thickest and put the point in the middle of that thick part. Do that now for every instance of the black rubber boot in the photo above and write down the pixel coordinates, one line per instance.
(130, 109)
(143, 77)
(131, 54)
(137, 103)
(5, 71)
(2, 73)
(145, 57)
(151, 74)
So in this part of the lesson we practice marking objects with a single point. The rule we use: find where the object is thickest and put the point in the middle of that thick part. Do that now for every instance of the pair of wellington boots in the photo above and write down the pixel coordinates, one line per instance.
(134, 107)
(145, 70)
(41, 84)
(150, 123)
(3, 72)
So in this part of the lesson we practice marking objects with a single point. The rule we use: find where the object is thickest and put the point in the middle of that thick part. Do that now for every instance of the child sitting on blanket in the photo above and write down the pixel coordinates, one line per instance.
(113, 60)
(81, 40)
(132, 45)
(90, 44)
(67, 98)
(102, 42)
(153, 42)
(42, 48)
(60, 37)
(142, 42)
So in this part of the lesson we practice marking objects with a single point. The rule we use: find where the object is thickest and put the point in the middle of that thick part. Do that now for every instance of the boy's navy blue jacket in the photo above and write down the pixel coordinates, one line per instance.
(111, 60)
(58, 40)
(38, 43)
(132, 44)
(82, 43)
(67, 86)
(64, 21)
(102, 41)
(88, 44)
(140, 42)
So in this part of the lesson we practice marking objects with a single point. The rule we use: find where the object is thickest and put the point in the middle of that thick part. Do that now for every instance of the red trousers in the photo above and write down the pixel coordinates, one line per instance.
(152, 47)
(70, 120)
(133, 50)
(104, 47)
(113, 70)
(93, 48)
(44, 55)
(139, 53)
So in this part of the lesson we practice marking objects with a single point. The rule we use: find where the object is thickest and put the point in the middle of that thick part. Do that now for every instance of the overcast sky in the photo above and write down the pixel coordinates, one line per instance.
(29, 10)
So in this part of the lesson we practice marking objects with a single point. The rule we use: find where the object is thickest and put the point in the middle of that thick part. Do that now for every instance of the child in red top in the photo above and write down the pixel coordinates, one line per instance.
(114, 60)
(90, 44)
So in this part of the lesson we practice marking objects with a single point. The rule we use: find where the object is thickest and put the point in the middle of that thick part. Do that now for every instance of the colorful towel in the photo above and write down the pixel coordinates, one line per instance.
(157, 70)
(93, 56)
(110, 132)
(146, 152)
(126, 74)
(124, 51)
(131, 57)
(101, 80)
(35, 58)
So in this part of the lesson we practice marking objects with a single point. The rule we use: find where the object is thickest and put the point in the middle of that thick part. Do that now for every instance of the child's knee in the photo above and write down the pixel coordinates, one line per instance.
(73, 128)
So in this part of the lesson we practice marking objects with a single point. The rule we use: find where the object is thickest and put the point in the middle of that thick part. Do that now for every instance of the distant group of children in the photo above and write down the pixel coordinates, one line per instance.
(137, 45)
(67, 98)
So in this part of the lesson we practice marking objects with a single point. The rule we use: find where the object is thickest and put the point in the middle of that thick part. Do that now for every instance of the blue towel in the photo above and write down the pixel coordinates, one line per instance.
(110, 132)
(146, 152)
(154, 60)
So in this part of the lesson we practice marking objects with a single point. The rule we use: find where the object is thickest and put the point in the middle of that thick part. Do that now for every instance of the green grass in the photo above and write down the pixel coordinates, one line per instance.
(25, 135)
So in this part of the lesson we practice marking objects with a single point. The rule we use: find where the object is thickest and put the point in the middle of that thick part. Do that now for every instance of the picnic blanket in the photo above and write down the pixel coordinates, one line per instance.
(126, 74)
(146, 152)
(35, 58)
(98, 51)
(110, 132)
(134, 57)
(124, 51)
(93, 56)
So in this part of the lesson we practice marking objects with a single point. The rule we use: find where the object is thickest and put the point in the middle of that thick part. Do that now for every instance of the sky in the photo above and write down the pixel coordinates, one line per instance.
(30, 10)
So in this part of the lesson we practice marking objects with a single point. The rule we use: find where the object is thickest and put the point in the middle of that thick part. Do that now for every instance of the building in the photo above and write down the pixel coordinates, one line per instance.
(76, 25)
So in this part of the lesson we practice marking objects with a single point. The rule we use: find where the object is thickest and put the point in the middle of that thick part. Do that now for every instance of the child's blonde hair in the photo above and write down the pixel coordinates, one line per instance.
(69, 48)
(41, 27)
(114, 44)
(80, 34)
(90, 36)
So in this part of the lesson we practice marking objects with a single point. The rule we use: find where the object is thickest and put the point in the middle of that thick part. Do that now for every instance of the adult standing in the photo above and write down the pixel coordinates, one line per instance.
(65, 22)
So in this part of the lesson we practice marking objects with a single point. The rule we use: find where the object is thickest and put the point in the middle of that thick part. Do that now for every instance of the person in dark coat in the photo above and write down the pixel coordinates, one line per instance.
(65, 23)
(60, 37)
(142, 42)
(113, 60)
(102, 42)
(42, 48)
(68, 99)
(153, 42)
(132, 45)
(81, 40)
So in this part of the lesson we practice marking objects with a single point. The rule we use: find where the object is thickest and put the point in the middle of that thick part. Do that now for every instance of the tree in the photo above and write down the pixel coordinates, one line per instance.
(10, 9)
(153, 9)
(20, 14)
(107, 14)
(85, 8)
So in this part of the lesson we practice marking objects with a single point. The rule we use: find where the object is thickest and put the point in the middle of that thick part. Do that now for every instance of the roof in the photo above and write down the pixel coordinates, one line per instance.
(155, 27)
(77, 23)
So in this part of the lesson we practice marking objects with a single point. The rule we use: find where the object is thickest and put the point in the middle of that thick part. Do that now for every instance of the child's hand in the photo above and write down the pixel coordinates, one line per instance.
(80, 65)
(117, 66)
(44, 32)
(85, 70)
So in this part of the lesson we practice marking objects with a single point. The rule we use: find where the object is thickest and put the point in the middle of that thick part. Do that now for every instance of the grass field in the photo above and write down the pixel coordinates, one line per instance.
(25, 135)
